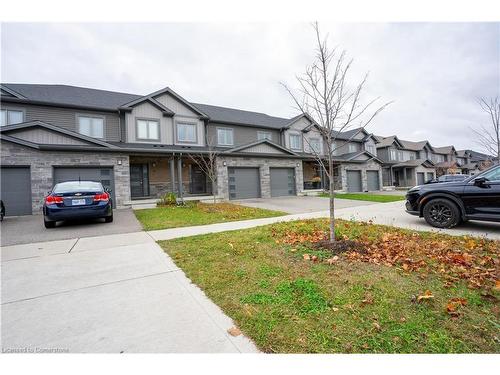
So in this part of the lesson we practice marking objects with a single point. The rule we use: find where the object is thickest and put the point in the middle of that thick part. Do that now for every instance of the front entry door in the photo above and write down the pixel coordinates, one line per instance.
(198, 181)
(139, 180)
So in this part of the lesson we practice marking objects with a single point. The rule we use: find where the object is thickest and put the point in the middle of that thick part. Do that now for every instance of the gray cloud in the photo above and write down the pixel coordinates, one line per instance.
(433, 72)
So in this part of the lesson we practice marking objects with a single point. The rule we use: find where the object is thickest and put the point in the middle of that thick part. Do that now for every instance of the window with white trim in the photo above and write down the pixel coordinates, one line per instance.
(225, 137)
(393, 154)
(91, 126)
(315, 145)
(264, 135)
(371, 149)
(11, 116)
(148, 130)
(352, 147)
(186, 132)
(295, 141)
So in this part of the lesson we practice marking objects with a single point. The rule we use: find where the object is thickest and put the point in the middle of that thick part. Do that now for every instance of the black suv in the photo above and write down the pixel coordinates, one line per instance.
(446, 204)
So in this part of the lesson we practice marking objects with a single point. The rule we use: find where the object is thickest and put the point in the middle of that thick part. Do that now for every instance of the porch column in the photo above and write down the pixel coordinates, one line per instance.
(179, 174)
(404, 176)
(172, 173)
(391, 176)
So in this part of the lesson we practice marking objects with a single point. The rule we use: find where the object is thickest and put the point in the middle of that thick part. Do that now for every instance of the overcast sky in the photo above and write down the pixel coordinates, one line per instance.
(433, 72)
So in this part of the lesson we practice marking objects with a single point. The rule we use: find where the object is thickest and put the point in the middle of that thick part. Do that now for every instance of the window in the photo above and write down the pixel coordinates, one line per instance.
(10, 116)
(264, 135)
(186, 132)
(91, 126)
(295, 141)
(493, 175)
(315, 145)
(352, 147)
(393, 154)
(400, 155)
(225, 136)
(371, 149)
(148, 130)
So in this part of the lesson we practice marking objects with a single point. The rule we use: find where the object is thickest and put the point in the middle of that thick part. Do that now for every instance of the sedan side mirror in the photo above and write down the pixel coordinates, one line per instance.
(480, 181)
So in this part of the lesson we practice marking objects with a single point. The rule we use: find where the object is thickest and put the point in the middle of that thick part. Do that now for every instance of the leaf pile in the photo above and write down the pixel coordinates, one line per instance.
(454, 258)
(473, 260)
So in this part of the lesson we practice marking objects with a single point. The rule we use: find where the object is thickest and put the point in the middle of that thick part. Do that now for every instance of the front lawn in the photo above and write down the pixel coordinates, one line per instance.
(383, 198)
(196, 213)
(399, 292)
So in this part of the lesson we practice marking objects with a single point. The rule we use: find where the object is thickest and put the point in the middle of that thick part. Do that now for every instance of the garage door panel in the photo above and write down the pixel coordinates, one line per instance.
(282, 181)
(104, 175)
(354, 181)
(16, 190)
(373, 180)
(243, 183)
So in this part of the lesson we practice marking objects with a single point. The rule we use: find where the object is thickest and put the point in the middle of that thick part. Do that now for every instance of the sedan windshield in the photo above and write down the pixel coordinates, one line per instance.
(74, 186)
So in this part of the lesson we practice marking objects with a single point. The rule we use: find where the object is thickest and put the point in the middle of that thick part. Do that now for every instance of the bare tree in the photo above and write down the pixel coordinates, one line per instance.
(488, 137)
(325, 94)
(208, 165)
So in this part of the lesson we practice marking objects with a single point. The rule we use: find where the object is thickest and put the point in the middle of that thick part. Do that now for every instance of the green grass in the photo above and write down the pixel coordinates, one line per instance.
(196, 213)
(288, 305)
(382, 198)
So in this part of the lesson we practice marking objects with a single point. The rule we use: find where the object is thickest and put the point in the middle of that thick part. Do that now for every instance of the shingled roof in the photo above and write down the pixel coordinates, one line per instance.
(74, 96)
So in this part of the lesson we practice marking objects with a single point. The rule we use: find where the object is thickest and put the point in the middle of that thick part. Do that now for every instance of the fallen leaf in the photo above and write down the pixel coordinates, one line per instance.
(427, 295)
(376, 326)
(335, 309)
(306, 257)
(497, 285)
(233, 331)
(231, 245)
(368, 299)
(314, 258)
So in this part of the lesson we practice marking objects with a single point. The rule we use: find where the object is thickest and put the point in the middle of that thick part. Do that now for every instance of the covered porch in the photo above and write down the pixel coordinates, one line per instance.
(154, 176)
(409, 174)
(316, 179)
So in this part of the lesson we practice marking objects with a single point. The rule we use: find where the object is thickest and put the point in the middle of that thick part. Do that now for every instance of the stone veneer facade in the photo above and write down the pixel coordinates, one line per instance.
(363, 167)
(41, 165)
(265, 178)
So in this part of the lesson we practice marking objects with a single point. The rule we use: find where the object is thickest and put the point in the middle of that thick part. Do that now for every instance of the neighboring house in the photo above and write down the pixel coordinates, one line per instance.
(139, 145)
(406, 163)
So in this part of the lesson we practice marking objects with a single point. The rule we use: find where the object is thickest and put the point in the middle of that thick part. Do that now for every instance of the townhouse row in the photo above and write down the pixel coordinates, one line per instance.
(143, 146)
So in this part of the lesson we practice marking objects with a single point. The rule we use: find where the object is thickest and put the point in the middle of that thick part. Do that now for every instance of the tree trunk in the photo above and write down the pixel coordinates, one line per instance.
(214, 190)
(332, 202)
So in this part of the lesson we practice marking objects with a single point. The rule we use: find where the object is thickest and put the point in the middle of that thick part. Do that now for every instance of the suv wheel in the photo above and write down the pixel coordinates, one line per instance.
(442, 213)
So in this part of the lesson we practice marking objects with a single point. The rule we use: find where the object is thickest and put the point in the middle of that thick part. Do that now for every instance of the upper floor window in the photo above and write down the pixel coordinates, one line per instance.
(393, 154)
(91, 126)
(295, 142)
(439, 158)
(186, 132)
(371, 149)
(352, 147)
(11, 116)
(148, 130)
(225, 136)
(315, 145)
(264, 135)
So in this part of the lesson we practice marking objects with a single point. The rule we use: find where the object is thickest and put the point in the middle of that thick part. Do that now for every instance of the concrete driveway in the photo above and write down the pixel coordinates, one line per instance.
(299, 205)
(114, 293)
(27, 229)
(394, 214)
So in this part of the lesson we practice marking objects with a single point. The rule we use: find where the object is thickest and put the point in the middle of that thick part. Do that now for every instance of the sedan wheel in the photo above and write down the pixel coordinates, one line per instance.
(441, 213)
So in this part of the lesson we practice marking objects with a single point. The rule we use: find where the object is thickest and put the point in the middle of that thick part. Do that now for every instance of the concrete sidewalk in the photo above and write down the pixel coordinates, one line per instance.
(112, 294)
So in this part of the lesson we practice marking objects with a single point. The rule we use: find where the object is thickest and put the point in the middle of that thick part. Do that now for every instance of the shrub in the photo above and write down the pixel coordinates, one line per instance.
(167, 199)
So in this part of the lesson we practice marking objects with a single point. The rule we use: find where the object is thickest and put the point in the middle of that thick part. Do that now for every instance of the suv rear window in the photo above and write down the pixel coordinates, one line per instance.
(71, 186)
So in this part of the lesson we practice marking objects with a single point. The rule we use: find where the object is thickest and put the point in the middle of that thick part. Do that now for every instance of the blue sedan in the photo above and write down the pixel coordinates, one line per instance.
(73, 200)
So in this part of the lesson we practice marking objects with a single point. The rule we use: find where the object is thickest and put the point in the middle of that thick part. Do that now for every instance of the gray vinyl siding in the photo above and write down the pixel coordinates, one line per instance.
(67, 118)
(241, 135)
(382, 154)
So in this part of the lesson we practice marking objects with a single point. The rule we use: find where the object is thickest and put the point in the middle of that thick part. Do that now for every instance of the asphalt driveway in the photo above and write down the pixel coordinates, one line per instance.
(113, 294)
(299, 205)
(27, 229)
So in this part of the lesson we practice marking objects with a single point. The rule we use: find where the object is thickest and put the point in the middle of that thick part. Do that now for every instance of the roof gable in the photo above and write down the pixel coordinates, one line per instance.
(263, 146)
(153, 98)
(39, 132)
